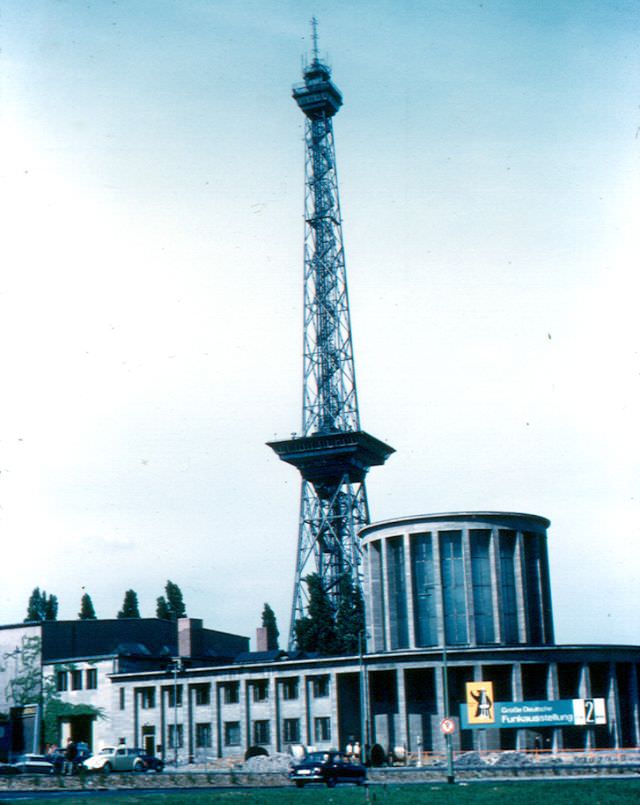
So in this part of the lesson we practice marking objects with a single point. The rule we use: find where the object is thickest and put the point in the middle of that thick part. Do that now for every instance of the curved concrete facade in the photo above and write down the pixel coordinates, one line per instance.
(457, 579)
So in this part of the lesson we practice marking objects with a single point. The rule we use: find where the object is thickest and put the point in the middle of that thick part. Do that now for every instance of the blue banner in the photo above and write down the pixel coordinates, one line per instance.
(523, 715)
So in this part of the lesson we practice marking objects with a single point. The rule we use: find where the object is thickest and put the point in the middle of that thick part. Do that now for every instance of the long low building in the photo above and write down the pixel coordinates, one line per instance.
(392, 698)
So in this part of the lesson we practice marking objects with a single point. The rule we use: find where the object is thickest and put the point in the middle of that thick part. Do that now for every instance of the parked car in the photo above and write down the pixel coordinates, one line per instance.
(151, 762)
(329, 768)
(115, 758)
(33, 764)
(7, 769)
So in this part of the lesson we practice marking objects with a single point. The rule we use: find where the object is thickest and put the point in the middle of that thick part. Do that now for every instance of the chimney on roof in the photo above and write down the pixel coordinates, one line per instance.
(189, 637)
(262, 639)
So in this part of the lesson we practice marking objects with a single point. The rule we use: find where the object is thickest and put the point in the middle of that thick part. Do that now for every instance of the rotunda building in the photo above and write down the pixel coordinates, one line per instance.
(458, 579)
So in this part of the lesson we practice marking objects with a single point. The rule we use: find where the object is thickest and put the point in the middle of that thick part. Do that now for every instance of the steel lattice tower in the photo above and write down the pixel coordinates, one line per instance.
(332, 454)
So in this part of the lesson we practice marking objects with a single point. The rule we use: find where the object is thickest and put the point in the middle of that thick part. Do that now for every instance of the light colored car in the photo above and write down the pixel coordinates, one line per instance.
(33, 764)
(115, 758)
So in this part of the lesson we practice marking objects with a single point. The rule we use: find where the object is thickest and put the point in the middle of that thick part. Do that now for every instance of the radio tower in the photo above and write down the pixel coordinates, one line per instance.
(332, 453)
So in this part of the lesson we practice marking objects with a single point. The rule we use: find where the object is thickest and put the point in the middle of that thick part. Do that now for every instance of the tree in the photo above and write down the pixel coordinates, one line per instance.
(349, 618)
(175, 601)
(172, 607)
(316, 631)
(270, 624)
(130, 607)
(41, 607)
(87, 612)
(162, 609)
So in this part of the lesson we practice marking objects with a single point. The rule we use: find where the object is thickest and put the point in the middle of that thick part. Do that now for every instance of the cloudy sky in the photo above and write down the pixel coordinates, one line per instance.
(151, 288)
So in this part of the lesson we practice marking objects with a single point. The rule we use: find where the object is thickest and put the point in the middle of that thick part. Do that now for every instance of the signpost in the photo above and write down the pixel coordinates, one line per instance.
(448, 726)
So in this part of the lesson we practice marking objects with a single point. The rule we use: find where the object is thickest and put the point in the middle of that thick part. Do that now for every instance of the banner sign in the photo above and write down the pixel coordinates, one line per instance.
(523, 715)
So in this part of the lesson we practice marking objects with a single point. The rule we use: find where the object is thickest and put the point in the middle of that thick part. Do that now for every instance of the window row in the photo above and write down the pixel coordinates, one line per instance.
(201, 696)
(73, 680)
(261, 731)
(230, 692)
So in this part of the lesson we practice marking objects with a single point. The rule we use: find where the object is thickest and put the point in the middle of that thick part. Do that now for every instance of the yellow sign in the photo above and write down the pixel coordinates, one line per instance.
(480, 703)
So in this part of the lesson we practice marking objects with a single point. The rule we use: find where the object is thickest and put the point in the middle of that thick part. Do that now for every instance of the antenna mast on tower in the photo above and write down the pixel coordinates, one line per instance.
(332, 454)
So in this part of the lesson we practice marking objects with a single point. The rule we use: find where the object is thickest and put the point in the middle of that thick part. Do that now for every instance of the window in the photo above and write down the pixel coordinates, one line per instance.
(175, 696)
(480, 546)
(76, 680)
(291, 730)
(231, 693)
(176, 736)
(203, 736)
(424, 590)
(232, 733)
(290, 688)
(91, 679)
(261, 732)
(399, 628)
(148, 698)
(453, 588)
(320, 687)
(508, 599)
(62, 681)
(322, 728)
(123, 694)
(260, 690)
(202, 694)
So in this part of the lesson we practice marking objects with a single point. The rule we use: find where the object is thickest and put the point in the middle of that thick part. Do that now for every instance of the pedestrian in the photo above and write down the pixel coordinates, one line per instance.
(70, 754)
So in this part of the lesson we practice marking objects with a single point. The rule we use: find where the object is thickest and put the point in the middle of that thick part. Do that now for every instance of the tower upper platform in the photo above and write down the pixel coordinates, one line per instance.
(318, 96)
(325, 458)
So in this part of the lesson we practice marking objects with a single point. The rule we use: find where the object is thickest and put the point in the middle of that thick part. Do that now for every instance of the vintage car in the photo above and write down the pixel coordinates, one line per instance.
(329, 768)
(33, 764)
(151, 762)
(115, 758)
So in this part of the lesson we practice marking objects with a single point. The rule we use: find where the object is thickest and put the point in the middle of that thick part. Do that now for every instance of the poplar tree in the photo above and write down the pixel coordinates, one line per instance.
(270, 624)
(162, 609)
(172, 607)
(87, 612)
(130, 607)
(41, 607)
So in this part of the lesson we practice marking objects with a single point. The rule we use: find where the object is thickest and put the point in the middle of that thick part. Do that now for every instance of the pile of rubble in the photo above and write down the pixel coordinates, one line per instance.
(278, 762)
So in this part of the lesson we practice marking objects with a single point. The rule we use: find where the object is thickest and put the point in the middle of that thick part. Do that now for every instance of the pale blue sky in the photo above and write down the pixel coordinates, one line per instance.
(152, 167)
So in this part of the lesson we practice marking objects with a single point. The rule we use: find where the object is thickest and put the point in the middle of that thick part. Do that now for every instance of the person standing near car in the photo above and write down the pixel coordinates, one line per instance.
(70, 754)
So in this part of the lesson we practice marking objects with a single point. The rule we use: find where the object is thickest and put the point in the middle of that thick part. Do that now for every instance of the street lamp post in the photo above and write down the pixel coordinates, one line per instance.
(177, 667)
(364, 699)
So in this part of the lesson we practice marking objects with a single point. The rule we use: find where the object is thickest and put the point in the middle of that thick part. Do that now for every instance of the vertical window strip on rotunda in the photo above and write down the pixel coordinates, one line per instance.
(480, 541)
(509, 612)
(453, 588)
(397, 593)
(424, 590)
(533, 588)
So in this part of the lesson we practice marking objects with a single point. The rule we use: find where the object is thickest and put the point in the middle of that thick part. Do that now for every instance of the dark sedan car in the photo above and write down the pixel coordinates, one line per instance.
(151, 762)
(329, 768)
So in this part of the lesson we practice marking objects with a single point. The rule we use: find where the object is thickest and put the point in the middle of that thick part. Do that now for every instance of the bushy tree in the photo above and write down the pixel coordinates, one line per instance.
(41, 607)
(130, 607)
(172, 606)
(316, 632)
(349, 618)
(87, 612)
(270, 624)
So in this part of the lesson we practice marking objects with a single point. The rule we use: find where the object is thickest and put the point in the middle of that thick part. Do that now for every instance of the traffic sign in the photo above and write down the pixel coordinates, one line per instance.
(448, 726)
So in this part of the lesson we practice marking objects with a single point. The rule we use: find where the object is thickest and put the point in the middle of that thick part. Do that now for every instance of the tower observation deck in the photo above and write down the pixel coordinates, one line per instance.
(332, 454)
